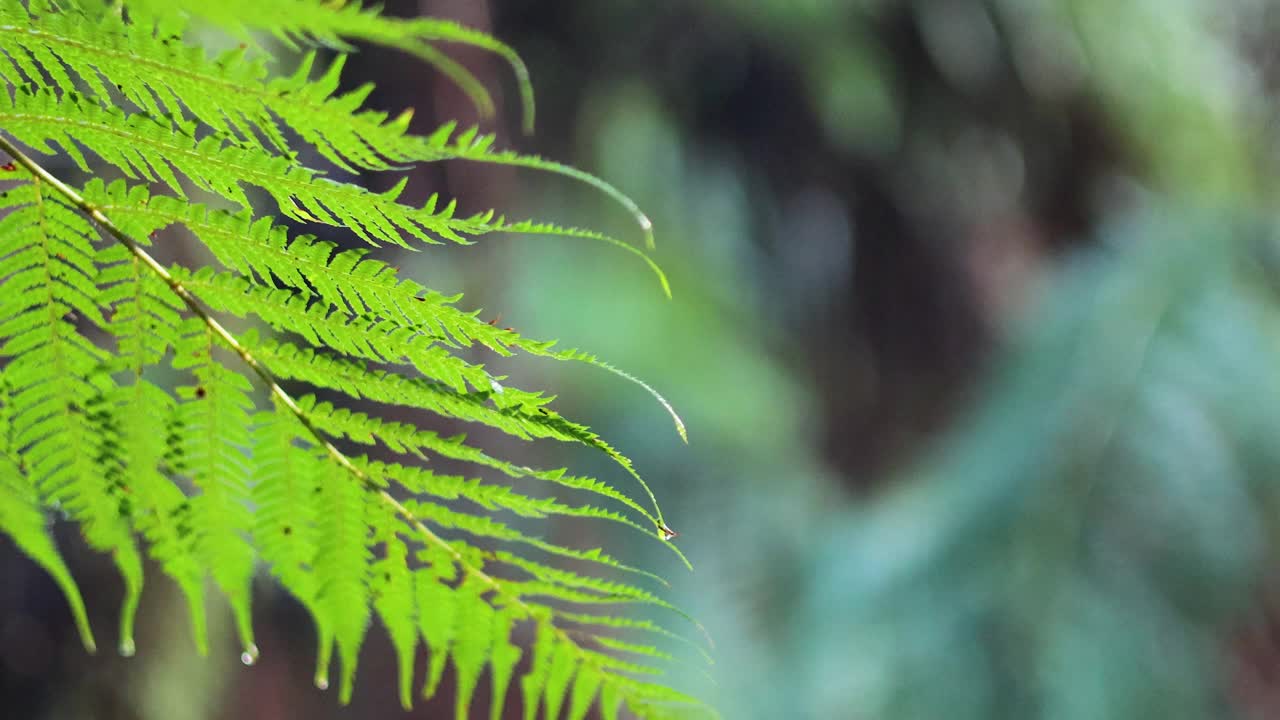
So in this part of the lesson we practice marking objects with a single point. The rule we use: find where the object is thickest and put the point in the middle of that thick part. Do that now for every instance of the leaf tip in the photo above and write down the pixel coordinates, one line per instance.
(250, 655)
(646, 227)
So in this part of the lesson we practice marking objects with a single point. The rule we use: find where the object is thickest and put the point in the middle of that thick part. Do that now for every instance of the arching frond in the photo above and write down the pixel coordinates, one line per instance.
(330, 23)
(54, 374)
(127, 404)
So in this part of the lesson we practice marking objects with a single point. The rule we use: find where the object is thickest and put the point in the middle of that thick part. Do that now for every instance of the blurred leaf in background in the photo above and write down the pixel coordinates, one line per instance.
(974, 332)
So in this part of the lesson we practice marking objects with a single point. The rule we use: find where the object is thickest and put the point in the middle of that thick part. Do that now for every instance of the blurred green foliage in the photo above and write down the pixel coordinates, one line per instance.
(1091, 535)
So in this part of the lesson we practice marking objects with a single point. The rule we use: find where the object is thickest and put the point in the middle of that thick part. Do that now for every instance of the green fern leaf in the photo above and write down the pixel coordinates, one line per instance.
(564, 663)
(330, 22)
(286, 482)
(214, 417)
(208, 481)
(437, 616)
(22, 518)
(393, 593)
(47, 262)
(503, 658)
(342, 565)
(402, 438)
(147, 149)
(472, 643)
(162, 513)
(364, 286)
(585, 686)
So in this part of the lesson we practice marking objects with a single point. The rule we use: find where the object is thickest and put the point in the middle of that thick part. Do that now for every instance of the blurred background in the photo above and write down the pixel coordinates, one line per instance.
(975, 329)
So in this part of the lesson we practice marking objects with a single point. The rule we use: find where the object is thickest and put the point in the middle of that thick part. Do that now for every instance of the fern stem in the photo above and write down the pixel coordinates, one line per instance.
(215, 327)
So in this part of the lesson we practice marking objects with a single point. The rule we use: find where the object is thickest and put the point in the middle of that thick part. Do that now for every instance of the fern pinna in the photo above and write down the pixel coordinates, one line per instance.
(223, 471)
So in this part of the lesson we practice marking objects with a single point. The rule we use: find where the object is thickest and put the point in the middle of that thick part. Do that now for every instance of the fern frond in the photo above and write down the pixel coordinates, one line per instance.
(234, 96)
(23, 519)
(208, 480)
(145, 148)
(393, 600)
(481, 526)
(399, 437)
(162, 513)
(151, 67)
(214, 421)
(585, 686)
(533, 684)
(342, 565)
(491, 497)
(323, 326)
(348, 279)
(47, 264)
(503, 658)
(353, 379)
(364, 285)
(145, 321)
(330, 22)
(285, 485)
(470, 652)
(154, 69)
(626, 623)
(563, 665)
